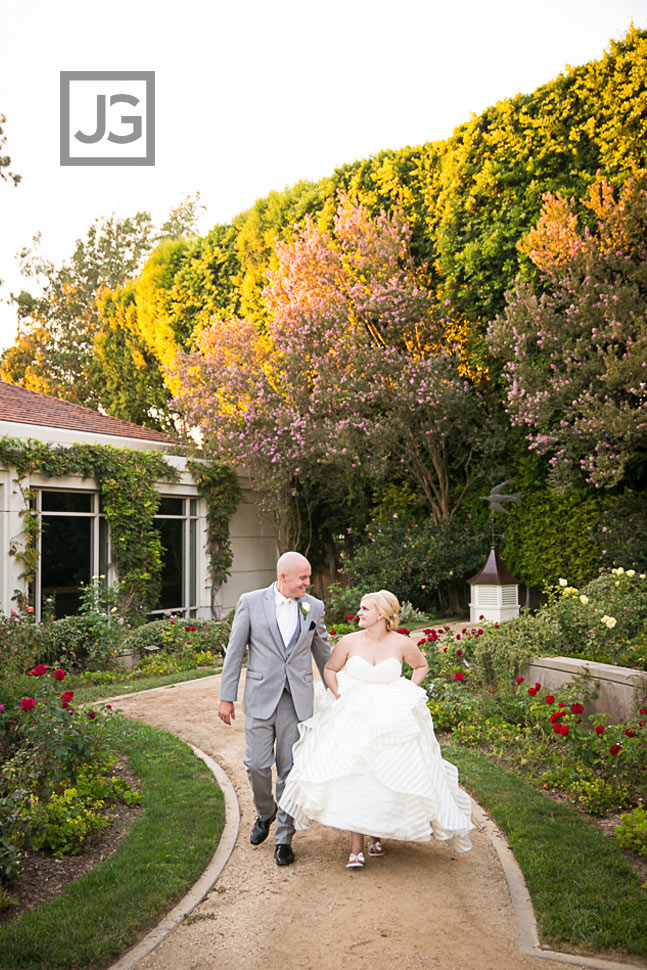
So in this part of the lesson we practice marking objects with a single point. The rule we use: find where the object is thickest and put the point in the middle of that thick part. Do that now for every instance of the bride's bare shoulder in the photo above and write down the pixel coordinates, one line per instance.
(350, 637)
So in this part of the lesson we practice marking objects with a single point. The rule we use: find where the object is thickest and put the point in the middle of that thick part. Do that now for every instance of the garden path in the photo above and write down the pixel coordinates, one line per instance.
(421, 907)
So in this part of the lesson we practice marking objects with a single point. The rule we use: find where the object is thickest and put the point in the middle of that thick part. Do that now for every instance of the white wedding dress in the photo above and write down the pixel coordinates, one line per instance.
(369, 762)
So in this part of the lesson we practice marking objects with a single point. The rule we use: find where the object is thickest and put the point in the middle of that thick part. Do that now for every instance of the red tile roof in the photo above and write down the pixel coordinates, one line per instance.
(19, 405)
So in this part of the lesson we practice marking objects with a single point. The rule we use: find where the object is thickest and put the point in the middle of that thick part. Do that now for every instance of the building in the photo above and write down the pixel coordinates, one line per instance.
(74, 542)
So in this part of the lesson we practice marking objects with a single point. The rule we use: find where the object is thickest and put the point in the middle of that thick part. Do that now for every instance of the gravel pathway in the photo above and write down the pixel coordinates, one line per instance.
(420, 907)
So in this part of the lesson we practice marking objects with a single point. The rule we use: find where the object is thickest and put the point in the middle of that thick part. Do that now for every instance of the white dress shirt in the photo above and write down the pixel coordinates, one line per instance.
(286, 615)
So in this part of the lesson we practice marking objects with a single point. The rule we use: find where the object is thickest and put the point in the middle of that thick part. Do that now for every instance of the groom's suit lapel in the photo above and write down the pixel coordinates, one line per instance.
(270, 617)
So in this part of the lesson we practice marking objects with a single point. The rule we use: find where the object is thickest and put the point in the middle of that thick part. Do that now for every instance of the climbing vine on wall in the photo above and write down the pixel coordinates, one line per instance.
(126, 480)
(218, 485)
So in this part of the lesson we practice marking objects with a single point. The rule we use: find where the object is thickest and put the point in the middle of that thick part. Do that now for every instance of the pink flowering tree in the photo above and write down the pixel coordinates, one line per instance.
(353, 377)
(574, 343)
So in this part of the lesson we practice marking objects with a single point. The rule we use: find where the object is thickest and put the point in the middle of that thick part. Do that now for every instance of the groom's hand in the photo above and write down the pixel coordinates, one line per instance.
(226, 712)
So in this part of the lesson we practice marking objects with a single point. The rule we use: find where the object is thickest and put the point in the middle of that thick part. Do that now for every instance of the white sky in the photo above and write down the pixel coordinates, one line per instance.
(257, 95)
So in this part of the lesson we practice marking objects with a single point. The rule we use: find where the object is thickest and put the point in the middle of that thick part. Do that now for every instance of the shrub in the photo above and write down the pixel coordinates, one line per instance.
(175, 634)
(606, 620)
(75, 643)
(419, 561)
(342, 602)
(502, 652)
(632, 831)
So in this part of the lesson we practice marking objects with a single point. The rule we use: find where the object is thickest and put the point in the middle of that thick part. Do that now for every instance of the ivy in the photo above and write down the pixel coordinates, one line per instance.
(219, 486)
(126, 480)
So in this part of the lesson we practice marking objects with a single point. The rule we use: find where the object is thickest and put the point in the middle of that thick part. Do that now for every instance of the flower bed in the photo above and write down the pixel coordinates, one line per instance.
(57, 781)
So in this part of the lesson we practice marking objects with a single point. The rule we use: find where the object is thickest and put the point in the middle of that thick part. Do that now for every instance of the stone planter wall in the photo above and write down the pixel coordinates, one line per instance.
(620, 689)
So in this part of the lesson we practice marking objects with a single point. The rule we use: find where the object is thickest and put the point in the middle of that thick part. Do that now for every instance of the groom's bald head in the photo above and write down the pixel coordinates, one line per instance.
(293, 573)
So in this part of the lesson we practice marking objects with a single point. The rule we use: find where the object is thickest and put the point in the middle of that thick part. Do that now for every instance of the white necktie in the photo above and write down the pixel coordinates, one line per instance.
(287, 619)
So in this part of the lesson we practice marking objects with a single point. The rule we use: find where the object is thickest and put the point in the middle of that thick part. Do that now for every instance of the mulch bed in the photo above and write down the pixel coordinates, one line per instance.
(43, 877)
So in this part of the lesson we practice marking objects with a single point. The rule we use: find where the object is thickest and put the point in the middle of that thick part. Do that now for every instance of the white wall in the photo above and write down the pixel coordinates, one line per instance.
(253, 541)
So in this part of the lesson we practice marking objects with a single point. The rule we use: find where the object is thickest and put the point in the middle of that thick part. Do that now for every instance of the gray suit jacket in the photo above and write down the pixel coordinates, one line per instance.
(270, 667)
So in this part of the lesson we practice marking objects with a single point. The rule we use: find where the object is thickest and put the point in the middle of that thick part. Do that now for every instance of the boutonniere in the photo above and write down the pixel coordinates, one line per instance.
(305, 607)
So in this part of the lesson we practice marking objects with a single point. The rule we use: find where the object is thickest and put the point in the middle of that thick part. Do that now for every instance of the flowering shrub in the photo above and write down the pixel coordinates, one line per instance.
(53, 754)
(605, 619)
(453, 697)
(175, 634)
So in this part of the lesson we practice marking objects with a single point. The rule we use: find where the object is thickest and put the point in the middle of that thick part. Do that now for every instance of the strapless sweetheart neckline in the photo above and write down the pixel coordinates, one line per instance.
(358, 656)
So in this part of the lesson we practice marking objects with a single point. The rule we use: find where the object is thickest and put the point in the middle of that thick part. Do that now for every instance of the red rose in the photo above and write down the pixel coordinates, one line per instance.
(599, 728)
(481, 617)
(561, 705)
(532, 691)
(427, 631)
(496, 626)
(459, 653)
(333, 633)
(555, 716)
(444, 649)
(59, 674)
(614, 749)
(577, 708)
(67, 695)
(549, 699)
(519, 680)
(480, 632)
(563, 729)
(65, 704)
(641, 723)
(630, 734)
(27, 703)
(108, 707)
(556, 728)
(350, 616)
(420, 642)
(537, 686)
(91, 715)
(459, 675)
(643, 710)
(458, 636)
(39, 670)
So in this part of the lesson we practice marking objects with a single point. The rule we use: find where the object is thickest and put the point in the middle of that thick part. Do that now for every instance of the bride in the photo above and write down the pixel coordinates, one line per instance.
(368, 761)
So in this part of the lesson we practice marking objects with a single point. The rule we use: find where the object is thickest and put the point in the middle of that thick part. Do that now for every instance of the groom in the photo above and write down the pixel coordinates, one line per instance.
(283, 628)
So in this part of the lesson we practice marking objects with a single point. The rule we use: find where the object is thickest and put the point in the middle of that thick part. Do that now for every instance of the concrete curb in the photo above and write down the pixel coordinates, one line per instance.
(206, 881)
(524, 914)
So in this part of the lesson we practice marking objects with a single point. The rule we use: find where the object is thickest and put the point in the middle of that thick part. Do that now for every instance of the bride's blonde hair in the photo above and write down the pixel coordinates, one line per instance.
(387, 605)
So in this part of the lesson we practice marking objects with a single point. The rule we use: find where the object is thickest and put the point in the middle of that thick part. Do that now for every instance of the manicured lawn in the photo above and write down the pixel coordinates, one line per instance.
(584, 892)
(101, 914)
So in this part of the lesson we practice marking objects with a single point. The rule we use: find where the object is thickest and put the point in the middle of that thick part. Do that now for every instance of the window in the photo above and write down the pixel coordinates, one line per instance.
(177, 523)
(73, 547)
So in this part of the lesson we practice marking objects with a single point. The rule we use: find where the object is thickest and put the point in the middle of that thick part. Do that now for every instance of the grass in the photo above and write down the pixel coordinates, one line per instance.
(89, 693)
(105, 911)
(584, 892)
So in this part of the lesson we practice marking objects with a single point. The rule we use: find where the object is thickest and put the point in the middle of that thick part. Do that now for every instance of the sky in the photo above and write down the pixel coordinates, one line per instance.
(257, 95)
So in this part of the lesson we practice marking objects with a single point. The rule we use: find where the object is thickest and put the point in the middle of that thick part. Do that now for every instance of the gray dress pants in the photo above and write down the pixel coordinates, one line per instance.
(268, 740)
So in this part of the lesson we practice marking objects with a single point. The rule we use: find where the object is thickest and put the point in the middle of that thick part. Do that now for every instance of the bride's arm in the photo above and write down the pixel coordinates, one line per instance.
(416, 659)
(338, 658)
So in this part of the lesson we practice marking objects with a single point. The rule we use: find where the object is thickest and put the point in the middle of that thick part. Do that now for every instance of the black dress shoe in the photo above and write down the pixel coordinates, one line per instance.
(261, 829)
(284, 855)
